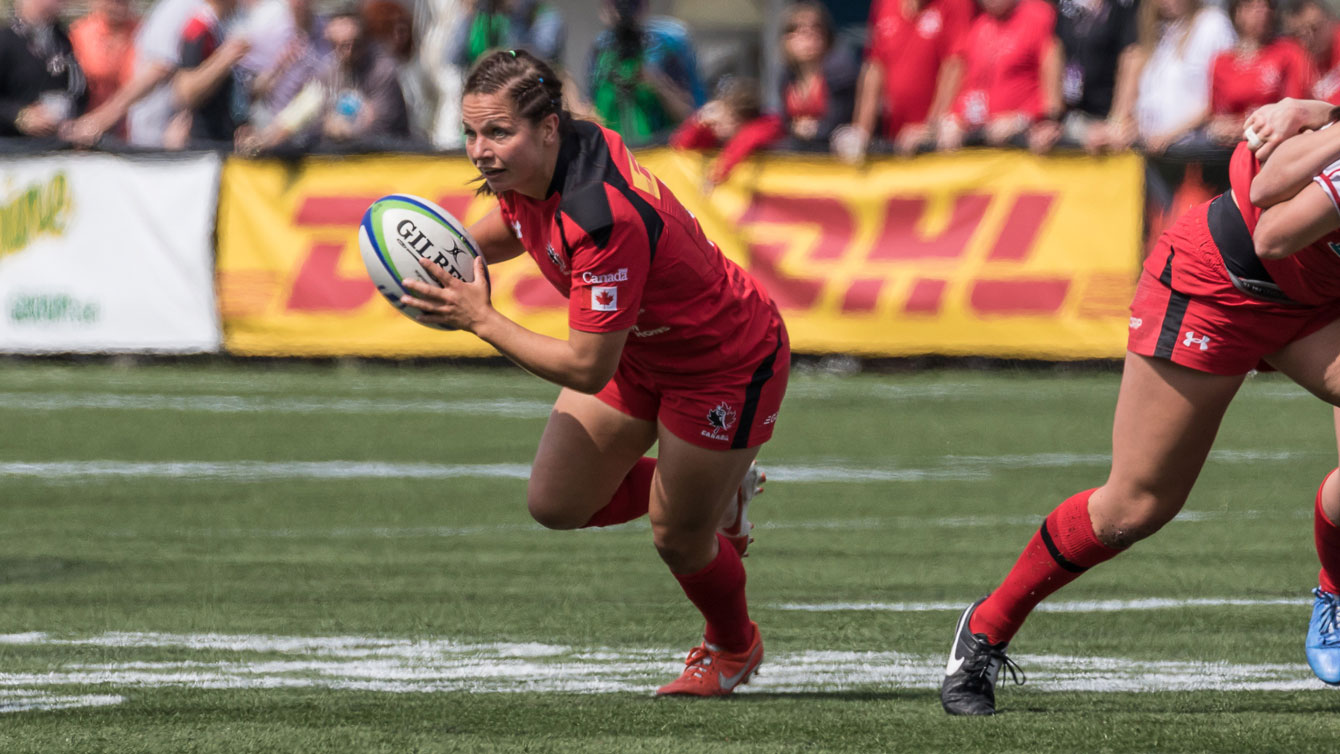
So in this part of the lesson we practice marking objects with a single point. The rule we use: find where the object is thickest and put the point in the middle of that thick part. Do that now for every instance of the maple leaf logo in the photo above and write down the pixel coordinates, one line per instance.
(722, 417)
(604, 298)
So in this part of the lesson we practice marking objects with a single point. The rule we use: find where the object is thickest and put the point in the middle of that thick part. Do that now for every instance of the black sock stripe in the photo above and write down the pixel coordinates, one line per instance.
(1172, 324)
(1056, 554)
(752, 393)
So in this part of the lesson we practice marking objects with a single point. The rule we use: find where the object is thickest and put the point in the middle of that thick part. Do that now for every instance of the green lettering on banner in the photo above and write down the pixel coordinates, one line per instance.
(47, 309)
(38, 210)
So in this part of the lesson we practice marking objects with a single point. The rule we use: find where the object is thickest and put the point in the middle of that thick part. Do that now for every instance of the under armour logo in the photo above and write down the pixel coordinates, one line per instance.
(1191, 340)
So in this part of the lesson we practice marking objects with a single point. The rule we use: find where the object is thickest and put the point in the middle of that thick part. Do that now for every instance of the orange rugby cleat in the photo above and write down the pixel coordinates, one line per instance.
(712, 671)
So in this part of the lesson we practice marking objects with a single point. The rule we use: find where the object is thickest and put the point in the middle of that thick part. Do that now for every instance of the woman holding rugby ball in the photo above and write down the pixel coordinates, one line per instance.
(1247, 278)
(669, 342)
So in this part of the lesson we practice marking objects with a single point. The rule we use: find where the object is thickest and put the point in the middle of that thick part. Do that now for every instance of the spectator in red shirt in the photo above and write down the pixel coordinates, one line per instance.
(819, 86)
(1258, 70)
(912, 69)
(104, 45)
(734, 121)
(1011, 89)
(1313, 25)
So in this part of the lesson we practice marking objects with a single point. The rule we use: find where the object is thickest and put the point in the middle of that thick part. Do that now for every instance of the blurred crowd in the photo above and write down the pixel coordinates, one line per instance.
(270, 75)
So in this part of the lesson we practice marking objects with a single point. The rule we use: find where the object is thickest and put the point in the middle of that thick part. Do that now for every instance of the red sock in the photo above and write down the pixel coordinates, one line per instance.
(632, 498)
(718, 593)
(1327, 537)
(1063, 548)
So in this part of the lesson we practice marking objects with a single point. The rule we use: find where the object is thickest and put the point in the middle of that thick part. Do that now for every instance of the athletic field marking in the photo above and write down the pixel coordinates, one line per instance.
(390, 665)
(1078, 606)
(26, 700)
(238, 404)
(953, 468)
(641, 525)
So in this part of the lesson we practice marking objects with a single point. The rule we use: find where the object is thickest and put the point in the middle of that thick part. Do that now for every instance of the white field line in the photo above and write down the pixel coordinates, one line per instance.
(838, 388)
(951, 468)
(246, 399)
(641, 525)
(243, 404)
(425, 666)
(1074, 606)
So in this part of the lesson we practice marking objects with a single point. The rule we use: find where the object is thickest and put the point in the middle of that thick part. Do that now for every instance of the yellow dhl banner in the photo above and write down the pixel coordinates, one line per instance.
(991, 253)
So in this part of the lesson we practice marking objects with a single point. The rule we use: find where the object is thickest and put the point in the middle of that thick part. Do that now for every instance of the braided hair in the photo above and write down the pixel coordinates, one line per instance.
(525, 81)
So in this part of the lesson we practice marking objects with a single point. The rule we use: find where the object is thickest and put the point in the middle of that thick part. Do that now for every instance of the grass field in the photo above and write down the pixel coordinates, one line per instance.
(249, 558)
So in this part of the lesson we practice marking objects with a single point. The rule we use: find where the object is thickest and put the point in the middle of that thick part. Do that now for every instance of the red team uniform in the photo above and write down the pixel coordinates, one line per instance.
(911, 50)
(1241, 84)
(708, 355)
(1206, 301)
(1002, 64)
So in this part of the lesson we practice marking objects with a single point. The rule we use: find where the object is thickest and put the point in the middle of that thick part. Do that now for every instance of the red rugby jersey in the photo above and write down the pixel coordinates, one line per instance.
(1311, 276)
(1002, 60)
(911, 50)
(1240, 84)
(626, 254)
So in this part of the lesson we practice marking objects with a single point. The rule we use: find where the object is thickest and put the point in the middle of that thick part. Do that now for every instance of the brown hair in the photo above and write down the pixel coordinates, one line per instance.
(1151, 26)
(802, 7)
(1271, 31)
(525, 81)
(740, 96)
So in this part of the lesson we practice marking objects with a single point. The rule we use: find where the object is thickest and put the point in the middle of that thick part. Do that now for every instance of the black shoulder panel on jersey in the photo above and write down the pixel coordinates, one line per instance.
(585, 166)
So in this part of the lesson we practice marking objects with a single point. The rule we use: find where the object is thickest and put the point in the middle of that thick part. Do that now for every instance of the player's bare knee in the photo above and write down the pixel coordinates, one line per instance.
(1138, 515)
(552, 515)
(679, 548)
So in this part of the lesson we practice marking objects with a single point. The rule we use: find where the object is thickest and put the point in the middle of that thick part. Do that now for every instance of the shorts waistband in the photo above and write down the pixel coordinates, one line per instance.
(1238, 253)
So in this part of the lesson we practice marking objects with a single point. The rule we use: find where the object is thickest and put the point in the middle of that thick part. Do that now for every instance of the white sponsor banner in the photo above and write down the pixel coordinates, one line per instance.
(107, 253)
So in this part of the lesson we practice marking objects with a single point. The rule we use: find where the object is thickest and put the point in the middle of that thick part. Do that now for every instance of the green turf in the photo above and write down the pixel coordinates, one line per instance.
(457, 560)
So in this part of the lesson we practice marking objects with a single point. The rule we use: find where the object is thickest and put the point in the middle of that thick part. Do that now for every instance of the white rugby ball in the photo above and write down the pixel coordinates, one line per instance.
(399, 230)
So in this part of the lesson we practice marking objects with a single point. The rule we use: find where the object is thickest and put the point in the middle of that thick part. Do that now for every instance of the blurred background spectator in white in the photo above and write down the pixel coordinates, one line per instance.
(303, 59)
(1180, 39)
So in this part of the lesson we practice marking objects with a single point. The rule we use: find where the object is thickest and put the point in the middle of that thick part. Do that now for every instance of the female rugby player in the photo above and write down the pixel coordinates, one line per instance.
(1247, 278)
(669, 342)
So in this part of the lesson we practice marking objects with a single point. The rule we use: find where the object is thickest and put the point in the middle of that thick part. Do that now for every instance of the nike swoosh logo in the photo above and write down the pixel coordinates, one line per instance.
(729, 682)
(956, 662)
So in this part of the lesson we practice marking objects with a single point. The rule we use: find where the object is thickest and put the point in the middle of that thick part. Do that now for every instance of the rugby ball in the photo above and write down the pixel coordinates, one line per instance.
(399, 230)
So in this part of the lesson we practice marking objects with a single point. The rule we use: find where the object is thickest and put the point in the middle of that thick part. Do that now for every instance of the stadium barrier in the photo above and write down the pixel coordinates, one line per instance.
(990, 253)
(987, 253)
(102, 253)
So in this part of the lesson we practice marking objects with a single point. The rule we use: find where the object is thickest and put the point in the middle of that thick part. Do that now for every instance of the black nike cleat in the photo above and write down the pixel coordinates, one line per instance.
(969, 687)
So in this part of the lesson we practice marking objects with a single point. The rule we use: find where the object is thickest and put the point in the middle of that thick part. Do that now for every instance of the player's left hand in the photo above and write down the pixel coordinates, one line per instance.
(456, 304)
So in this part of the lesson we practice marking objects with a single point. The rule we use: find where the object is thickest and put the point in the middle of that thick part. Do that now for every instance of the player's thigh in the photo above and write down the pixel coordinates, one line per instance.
(1166, 419)
(692, 487)
(586, 450)
(1313, 362)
